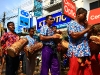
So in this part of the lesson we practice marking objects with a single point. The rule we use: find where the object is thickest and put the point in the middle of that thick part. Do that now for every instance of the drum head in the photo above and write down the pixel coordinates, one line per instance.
(65, 44)
(59, 36)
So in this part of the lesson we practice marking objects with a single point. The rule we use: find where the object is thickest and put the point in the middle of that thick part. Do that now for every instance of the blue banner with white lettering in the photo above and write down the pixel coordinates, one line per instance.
(60, 21)
(23, 21)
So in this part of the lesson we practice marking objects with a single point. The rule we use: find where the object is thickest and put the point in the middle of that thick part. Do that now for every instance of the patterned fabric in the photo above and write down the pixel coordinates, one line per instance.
(46, 31)
(31, 40)
(8, 39)
(79, 47)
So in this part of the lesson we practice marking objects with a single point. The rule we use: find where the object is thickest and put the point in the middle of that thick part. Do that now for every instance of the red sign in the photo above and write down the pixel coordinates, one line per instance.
(69, 8)
(94, 16)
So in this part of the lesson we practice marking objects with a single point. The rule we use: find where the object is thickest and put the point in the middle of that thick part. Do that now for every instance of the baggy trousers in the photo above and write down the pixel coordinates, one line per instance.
(30, 64)
(49, 61)
(12, 64)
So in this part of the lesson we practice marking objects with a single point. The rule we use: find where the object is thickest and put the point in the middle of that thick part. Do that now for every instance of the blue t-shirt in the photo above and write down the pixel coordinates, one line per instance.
(31, 40)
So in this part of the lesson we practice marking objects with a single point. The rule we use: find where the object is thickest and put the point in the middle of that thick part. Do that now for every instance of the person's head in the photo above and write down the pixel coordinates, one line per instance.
(31, 31)
(54, 28)
(49, 20)
(11, 26)
(81, 14)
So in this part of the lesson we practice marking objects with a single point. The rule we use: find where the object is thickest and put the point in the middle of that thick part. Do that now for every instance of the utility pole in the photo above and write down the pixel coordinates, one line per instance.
(3, 19)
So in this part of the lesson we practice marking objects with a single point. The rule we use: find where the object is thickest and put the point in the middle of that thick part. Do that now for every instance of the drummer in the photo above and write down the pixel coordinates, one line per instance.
(95, 55)
(49, 57)
(78, 44)
(30, 60)
(7, 39)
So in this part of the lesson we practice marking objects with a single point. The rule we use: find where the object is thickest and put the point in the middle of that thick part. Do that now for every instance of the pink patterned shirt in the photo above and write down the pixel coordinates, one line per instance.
(8, 39)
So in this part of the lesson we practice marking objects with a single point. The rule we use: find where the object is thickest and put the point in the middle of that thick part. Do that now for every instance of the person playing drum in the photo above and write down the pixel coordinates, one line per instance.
(7, 39)
(78, 45)
(30, 56)
(94, 43)
(49, 55)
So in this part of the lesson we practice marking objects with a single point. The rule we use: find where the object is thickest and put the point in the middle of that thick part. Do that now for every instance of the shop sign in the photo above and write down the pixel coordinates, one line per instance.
(69, 8)
(94, 16)
(60, 21)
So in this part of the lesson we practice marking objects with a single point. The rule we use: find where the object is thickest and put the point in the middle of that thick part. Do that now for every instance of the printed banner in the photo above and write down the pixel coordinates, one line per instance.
(23, 21)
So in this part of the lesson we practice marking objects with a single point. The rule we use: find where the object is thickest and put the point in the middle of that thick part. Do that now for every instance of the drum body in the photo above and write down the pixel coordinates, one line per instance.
(36, 47)
(94, 44)
(94, 48)
(1, 52)
(16, 47)
(64, 45)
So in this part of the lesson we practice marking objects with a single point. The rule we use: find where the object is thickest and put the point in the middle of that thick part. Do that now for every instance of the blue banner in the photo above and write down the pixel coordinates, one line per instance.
(23, 21)
(60, 21)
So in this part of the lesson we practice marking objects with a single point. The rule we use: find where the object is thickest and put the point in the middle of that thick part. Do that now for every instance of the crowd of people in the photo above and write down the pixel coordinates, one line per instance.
(82, 61)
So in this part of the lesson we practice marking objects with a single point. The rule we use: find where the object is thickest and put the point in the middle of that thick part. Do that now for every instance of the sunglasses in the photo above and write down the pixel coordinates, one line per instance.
(51, 19)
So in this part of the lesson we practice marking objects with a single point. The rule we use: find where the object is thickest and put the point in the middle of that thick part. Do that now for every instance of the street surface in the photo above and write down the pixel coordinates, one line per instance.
(37, 71)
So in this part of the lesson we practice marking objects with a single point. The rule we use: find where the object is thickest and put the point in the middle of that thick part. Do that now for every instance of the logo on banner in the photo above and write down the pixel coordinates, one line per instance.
(69, 8)
(23, 21)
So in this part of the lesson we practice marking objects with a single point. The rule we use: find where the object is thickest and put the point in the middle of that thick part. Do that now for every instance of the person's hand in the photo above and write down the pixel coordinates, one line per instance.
(56, 36)
(88, 26)
(59, 32)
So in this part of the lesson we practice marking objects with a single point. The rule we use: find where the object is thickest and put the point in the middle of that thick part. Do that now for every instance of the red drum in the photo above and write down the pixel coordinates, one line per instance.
(16, 47)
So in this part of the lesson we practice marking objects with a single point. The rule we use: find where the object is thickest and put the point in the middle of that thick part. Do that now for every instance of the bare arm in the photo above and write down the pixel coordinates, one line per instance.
(77, 35)
(45, 38)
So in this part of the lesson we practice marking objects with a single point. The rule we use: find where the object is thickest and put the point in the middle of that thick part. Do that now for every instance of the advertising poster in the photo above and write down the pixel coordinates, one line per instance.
(60, 20)
(23, 21)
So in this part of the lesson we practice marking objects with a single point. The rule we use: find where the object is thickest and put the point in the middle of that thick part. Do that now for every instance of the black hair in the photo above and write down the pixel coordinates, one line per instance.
(9, 23)
(54, 26)
(30, 29)
(48, 16)
(80, 11)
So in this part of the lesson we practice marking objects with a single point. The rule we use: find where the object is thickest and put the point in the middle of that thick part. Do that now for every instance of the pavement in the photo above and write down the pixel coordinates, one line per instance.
(36, 72)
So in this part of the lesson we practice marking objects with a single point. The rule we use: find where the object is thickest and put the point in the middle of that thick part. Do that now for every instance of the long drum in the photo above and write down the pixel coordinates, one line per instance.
(64, 44)
(95, 48)
(94, 44)
(36, 47)
(16, 47)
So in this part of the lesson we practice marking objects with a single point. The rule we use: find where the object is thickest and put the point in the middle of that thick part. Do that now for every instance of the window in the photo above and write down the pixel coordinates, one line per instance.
(94, 5)
(51, 1)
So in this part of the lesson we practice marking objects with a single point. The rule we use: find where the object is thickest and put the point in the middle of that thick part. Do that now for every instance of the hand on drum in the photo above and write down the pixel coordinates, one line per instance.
(56, 36)
(95, 39)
